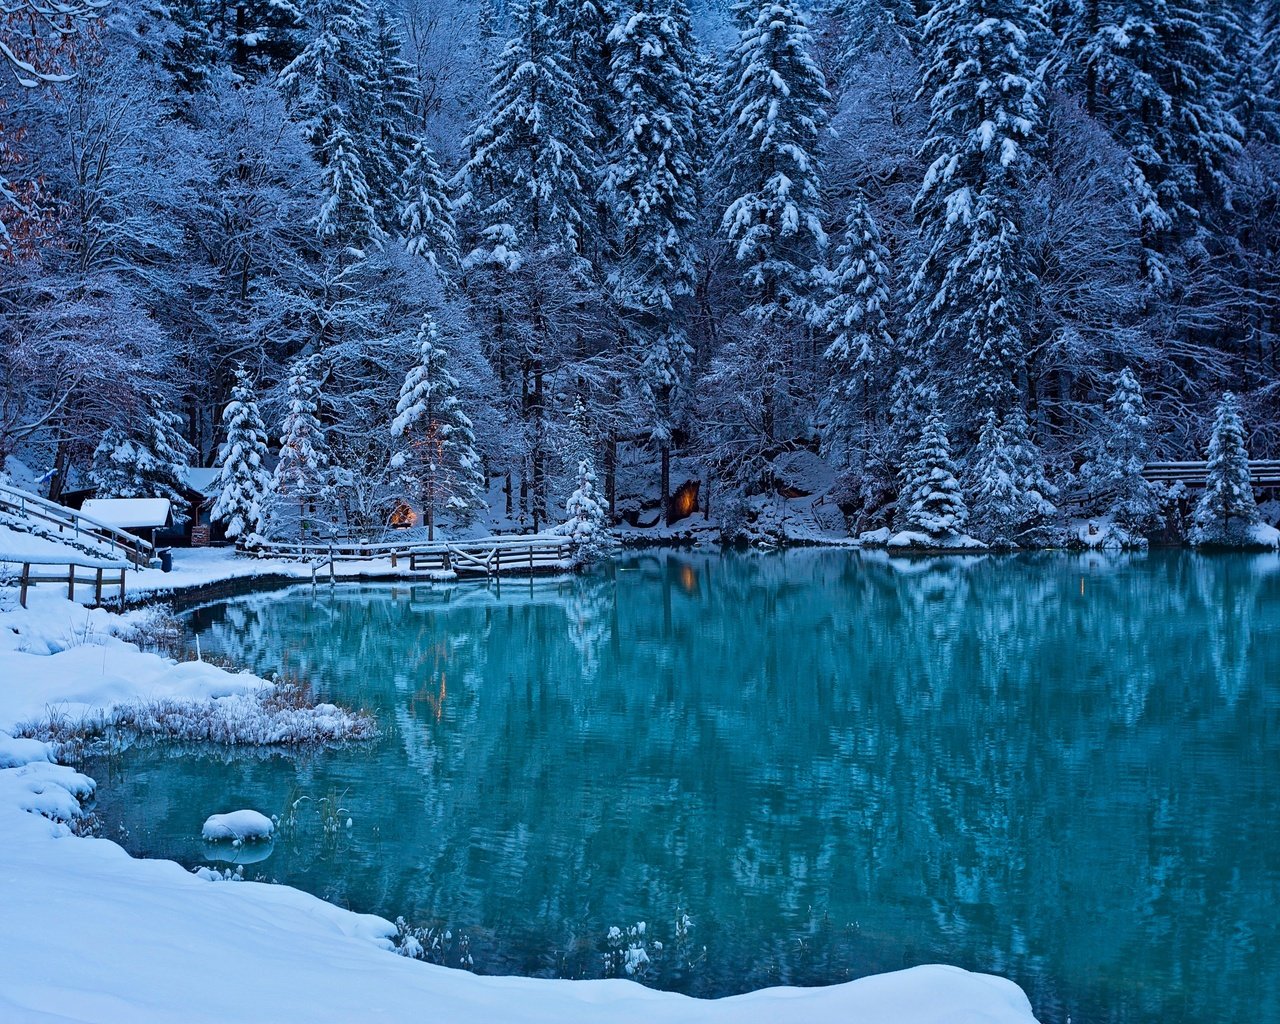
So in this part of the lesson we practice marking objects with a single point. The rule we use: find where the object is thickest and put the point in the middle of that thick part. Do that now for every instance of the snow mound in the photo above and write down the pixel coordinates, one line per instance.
(926, 542)
(239, 826)
(16, 751)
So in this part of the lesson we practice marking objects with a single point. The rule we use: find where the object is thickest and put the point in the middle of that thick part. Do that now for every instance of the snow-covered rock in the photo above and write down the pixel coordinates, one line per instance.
(239, 826)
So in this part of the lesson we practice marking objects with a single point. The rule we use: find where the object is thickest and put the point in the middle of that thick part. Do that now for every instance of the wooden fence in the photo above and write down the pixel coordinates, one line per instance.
(99, 575)
(1262, 472)
(488, 556)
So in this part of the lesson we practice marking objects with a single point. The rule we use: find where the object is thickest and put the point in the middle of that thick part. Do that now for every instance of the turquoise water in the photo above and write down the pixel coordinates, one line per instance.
(1061, 769)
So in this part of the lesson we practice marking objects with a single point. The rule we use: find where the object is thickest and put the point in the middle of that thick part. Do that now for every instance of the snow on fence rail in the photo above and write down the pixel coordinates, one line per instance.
(30, 575)
(1262, 472)
(489, 556)
(137, 551)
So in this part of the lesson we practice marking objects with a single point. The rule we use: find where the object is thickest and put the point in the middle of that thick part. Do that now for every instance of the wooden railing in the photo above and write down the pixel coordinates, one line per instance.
(95, 574)
(488, 556)
(1262, 472)
(75, 526)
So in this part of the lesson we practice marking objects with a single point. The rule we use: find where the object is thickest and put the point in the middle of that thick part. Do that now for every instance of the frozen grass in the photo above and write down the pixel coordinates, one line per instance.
(281, 715)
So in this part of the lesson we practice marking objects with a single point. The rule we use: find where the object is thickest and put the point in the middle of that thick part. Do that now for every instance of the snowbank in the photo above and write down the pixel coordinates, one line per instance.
(909, 540)
(93, 935)
(239, 826)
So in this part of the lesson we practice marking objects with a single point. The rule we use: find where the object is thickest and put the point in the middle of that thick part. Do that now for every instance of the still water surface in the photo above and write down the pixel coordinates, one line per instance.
(1061, 769)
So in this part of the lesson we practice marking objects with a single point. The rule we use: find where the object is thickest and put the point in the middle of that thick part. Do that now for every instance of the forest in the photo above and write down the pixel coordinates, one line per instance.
(982, 258)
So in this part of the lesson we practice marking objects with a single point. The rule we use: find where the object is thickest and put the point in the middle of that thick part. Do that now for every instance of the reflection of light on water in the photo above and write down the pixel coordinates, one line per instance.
(245, 853)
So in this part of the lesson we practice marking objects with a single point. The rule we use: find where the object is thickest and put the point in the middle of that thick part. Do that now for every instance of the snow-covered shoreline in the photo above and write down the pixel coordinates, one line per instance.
(95, 935)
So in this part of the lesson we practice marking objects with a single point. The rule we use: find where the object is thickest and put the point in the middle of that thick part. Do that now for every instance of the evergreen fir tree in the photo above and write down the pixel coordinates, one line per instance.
(147, 458)
(1226, 511)
(333, 83)
(1113, 476)
(243, 479)
(775, 110)
(438, 456)
(931, 501)
(651, 187)
(587, 523)
(524, 201)
(874, 26)
(390, 129)
(855, 318)
(1011, 496)
(1153, 71)
(304, 471)
(426, 217)
(970, 292)
(529, 171)
(264, 35)
(191, 56)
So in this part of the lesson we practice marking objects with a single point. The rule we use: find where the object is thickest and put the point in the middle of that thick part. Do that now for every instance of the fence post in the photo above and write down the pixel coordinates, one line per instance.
(97, 588)
(26, 582)
(122, 572)
(71, 582)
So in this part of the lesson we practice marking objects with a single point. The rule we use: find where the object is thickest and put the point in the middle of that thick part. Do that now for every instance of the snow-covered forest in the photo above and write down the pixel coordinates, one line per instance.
(984, 258)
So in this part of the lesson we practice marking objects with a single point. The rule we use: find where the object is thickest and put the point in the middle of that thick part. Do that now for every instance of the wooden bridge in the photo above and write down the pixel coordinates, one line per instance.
(1262, 472)
(487, 556)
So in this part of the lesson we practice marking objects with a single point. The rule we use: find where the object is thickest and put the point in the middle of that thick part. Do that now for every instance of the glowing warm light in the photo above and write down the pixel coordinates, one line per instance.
(403, 516)
(685, 501)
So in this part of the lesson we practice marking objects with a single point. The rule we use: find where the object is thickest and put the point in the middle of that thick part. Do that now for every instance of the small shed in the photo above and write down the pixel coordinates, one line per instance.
(139, 516)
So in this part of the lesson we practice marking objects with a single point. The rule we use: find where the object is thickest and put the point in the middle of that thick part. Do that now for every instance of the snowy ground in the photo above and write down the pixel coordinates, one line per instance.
(91, 934)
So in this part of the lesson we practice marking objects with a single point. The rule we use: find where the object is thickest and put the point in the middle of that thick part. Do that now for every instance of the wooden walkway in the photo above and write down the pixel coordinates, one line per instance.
(48, 518)
(488, 556)
(1262, 472)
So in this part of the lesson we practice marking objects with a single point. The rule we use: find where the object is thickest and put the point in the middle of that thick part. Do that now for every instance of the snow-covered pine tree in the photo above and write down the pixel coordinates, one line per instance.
(1226, 511)
(525, 202)
(874, 26)
(775, 108)
(1113, 475)
(528, 178)
(587, 522)
(389, 128)
(969, 295)
(145, 459)
(1011, 499)
(333, 84)
(438, 457)
(264, 35)
(191, 55)
(855, 318)
(426, 216)
(1152, 71)
(651, 187)
(930, 501)
(243, 479)
(303, 476)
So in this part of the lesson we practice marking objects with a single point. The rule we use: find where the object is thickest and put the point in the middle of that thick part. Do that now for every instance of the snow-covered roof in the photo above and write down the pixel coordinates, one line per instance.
(129, 513)
(202, 480)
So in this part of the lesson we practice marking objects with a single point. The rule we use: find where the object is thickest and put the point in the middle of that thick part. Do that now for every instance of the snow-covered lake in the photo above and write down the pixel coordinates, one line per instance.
(1060, 769)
